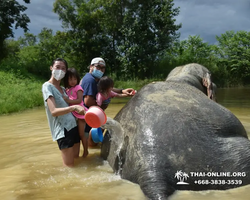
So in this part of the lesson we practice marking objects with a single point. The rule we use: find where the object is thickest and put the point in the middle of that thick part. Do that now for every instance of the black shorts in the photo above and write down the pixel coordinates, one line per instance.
(71, 137)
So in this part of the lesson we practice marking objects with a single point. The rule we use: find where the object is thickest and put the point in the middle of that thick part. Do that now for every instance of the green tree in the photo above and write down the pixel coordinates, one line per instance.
(192, 50)
(29, 60)
(130, 35)
(81, 21)
(49, 48)
(148, 29)
(234, 54)
(9, 62)
(37, 52)
(12, 47)
(54, 46)
(28, 39)
(11, 13)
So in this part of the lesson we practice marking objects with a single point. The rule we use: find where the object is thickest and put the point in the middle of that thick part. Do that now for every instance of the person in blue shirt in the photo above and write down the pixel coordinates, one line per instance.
(89, 85)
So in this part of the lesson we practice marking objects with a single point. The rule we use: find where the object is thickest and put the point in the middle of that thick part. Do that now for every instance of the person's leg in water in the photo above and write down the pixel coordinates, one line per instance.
(84, 138)
(88, 136)
(91, 143)
(69, 146)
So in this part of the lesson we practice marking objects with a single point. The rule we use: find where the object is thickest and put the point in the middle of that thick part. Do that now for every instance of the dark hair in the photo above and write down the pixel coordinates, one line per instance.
(105, 83)
(62, 60)
(71, 72)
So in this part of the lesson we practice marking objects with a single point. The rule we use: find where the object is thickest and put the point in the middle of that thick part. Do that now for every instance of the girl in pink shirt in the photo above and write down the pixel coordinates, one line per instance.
(75, 97)
(105, 86)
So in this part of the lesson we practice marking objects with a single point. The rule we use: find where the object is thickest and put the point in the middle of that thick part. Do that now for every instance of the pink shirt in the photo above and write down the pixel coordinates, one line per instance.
(100, 97)
(72, 94)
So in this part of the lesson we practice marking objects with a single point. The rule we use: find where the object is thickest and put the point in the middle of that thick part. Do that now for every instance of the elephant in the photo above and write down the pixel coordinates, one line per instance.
(173, 135)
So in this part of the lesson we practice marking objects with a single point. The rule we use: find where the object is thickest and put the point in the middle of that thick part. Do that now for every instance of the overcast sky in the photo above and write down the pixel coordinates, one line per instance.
(206, 18)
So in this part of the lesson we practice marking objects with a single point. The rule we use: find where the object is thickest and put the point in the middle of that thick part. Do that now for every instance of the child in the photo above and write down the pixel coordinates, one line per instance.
(75, 96)
(105, 87)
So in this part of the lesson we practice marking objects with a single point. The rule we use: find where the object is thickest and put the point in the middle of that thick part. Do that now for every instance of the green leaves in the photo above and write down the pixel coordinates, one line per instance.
(235, 52)
(11, 13)
(148, 28)
(229, 60)
(130, 35)
(194, 49)
(138, 39)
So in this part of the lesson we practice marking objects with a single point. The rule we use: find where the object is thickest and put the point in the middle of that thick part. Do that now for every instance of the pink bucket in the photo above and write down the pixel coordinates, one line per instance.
(95, 117)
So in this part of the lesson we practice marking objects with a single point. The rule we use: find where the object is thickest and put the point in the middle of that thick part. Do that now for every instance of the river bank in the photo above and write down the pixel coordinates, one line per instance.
(19, 93)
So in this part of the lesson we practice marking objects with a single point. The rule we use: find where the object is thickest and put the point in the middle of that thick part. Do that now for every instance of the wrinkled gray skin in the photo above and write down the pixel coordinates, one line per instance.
(173, 125)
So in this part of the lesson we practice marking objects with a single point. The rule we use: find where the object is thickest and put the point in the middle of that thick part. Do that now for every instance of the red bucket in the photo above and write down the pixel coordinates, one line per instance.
(95, 117)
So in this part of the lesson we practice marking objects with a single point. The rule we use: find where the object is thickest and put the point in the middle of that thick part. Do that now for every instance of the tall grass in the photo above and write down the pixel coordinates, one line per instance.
(19, 93)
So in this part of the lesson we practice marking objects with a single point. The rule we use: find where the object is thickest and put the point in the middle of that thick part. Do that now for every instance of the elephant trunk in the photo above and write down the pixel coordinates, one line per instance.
(154, 186)
(112, 142)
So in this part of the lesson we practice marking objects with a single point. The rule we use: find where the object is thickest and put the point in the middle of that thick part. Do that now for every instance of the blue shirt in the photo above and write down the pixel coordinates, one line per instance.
(89, 85)
(57, 124)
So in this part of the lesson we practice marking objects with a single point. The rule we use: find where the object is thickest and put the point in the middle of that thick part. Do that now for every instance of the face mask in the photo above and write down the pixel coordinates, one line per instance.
(58, 74)
(97, 73)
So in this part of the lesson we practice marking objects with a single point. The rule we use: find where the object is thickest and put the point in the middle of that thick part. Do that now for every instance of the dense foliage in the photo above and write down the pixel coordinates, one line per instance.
(228, 59)
(138, 40)
(11, 13)
(131, 35)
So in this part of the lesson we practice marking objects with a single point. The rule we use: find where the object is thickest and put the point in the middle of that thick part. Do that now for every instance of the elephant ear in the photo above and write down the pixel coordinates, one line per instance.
(206, 81)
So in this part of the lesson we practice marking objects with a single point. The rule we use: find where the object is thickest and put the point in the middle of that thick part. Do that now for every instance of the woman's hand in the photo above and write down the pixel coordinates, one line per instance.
(79, 109)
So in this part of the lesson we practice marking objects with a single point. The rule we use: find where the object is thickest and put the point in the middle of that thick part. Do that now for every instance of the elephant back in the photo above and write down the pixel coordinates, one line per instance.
(157, 106)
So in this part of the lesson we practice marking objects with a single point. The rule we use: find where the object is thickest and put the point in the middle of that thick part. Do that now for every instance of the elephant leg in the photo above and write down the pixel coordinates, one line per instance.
(105, 147)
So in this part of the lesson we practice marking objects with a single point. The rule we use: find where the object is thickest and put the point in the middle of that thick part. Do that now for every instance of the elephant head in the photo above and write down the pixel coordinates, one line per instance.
(195, 75)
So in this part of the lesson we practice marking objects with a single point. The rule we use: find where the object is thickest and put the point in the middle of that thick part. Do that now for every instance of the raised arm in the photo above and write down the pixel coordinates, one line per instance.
(128, 91)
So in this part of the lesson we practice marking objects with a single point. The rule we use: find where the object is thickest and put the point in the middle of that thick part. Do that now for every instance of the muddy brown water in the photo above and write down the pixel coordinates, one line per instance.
(31, 165)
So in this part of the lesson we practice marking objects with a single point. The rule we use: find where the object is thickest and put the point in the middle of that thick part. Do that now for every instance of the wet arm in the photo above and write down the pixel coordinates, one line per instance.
(123, 91)
(122, 95)
(119, 91)
(58, 111)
